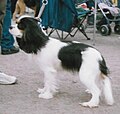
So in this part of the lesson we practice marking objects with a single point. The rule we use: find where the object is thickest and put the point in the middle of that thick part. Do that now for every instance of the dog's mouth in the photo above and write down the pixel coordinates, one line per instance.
(16, 35)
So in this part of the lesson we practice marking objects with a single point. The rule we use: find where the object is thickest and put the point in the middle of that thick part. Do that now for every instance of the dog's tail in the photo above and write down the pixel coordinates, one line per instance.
(107, 90)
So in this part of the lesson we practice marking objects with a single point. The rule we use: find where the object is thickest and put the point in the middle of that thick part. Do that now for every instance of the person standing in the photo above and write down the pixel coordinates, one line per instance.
(7, 40)
(4, 78)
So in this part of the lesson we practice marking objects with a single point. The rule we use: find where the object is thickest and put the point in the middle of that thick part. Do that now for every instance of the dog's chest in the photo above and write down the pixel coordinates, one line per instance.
(49, 54)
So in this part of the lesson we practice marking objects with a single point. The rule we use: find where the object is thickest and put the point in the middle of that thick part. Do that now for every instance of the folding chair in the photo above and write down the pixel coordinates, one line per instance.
(62, 15)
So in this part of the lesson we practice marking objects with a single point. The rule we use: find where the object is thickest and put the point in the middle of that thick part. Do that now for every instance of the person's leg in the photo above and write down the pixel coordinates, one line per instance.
(2, 13)
(7, 40)
(4, 78)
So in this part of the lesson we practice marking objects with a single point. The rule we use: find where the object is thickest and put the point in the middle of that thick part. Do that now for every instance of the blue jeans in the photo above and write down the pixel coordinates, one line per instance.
(7, 40)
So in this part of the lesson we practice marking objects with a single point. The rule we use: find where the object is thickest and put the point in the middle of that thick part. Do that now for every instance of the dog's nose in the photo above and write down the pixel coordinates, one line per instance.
(10, 27)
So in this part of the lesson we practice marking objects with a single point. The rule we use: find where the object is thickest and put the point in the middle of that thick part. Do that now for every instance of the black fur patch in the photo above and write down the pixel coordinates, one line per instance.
(103, 67)
(33, 38)
(71, 57)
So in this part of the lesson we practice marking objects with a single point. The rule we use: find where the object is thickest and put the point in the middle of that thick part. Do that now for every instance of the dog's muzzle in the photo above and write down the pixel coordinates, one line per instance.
(15, 31)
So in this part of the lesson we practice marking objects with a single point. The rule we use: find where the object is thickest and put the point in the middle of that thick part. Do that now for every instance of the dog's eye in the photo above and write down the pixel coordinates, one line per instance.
(21, 26)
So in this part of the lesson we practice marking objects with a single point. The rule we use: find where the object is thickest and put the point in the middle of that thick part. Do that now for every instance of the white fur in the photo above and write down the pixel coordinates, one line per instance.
(47, 60)
(107, 90)
(89, 72)
(15, 31)
(49, 64)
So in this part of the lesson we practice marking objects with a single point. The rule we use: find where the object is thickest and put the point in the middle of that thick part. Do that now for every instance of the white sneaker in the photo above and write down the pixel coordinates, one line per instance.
(6, 79)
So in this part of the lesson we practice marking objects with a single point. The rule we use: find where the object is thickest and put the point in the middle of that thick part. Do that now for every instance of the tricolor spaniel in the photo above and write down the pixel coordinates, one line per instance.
(52, 54)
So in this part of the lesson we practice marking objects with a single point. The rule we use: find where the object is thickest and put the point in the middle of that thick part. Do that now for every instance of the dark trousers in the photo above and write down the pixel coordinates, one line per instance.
(2, 14)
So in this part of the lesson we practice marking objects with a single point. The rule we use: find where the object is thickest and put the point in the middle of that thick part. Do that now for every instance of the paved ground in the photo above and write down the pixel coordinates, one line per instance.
(22, 97)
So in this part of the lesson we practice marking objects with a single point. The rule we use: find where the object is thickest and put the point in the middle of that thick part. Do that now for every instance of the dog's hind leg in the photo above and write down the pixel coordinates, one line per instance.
(88, 78)
(50, 84)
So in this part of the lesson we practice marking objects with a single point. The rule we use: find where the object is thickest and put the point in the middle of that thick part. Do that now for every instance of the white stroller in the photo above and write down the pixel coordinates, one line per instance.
(110, 14)
(106, 14)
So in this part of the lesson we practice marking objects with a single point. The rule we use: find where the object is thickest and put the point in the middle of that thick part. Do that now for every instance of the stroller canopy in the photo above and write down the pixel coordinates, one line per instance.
(59, 14)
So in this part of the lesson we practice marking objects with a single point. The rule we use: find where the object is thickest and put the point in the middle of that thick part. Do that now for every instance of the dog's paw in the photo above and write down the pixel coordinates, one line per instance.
(41, 91)
(89, 104)
(46, 95)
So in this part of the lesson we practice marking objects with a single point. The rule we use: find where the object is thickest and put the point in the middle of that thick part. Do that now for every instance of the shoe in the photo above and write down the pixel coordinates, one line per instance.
(5, 51)
(6, 79)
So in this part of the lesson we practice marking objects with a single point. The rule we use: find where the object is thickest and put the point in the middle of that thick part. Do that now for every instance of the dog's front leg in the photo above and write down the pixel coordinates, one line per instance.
(50, 84)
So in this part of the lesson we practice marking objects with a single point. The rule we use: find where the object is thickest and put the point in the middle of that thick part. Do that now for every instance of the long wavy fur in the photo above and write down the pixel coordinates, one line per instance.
(33, 38)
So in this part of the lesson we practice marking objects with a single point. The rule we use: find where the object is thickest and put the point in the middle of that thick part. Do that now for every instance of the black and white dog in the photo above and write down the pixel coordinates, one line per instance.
(52, 54)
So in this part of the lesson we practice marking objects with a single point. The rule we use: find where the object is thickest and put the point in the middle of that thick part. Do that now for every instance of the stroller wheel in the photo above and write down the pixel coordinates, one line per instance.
(105, 30)
(117, 29)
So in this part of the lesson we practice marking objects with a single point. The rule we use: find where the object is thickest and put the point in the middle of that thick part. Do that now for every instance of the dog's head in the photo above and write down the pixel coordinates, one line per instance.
(29, 34)
(33, 4)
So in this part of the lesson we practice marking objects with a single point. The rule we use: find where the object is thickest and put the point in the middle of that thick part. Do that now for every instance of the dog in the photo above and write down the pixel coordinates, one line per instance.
(52, 55)
(34, 5)
(20, 9)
